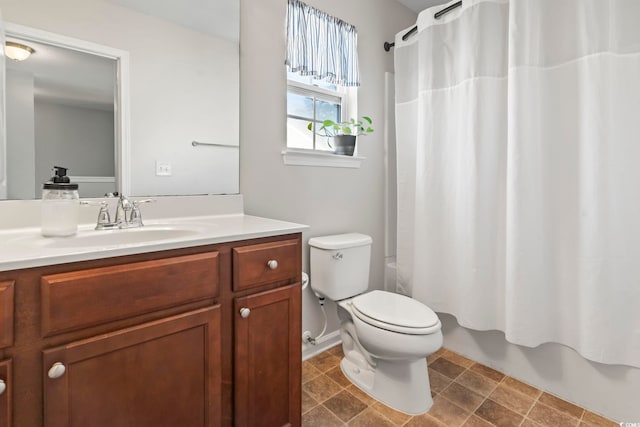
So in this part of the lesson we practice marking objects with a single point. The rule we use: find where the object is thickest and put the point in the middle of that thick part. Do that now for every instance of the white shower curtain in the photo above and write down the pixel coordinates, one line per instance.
(518, 144)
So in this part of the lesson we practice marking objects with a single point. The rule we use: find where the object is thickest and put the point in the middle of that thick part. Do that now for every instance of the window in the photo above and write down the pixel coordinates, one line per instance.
(312, 101)
(322, 76)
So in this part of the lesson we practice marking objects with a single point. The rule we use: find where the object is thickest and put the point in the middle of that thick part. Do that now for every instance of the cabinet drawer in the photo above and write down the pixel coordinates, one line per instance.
(6, 314)
(89, 297)
(253, 265)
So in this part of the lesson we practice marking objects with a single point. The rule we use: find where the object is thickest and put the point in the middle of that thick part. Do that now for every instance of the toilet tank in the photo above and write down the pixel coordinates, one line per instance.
(340, 265)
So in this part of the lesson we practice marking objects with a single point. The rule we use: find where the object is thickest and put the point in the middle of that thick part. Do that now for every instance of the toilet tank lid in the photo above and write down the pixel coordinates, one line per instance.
(340, 241)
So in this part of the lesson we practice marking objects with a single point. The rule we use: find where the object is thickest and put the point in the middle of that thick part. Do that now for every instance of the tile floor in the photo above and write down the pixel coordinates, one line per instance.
(465, 393)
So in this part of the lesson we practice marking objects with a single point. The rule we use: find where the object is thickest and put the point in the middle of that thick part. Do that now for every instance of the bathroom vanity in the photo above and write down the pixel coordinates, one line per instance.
(199, 329)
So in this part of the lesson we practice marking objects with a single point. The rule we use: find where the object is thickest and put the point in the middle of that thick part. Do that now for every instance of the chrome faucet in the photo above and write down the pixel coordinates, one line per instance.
(123, 212)
(128, 214)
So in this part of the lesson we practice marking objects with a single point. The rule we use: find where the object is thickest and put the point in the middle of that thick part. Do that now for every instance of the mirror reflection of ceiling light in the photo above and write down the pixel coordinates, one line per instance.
(17, 51)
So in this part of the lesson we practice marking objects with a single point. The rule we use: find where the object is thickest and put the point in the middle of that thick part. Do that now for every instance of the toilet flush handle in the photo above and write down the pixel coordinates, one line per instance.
(337, 256)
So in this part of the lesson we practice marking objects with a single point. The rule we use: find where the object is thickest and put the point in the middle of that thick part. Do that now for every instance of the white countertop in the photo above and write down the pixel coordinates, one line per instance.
(25, 247)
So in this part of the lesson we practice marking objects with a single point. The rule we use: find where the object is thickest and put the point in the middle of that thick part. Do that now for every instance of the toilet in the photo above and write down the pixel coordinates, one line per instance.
(386, 337)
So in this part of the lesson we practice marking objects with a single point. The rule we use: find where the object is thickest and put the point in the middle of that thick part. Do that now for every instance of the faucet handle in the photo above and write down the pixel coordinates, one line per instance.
(136, 216)
(104, 218)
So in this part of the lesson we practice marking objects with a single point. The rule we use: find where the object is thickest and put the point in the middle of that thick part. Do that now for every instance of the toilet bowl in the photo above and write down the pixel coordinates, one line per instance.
(388, 360)
(386, 337)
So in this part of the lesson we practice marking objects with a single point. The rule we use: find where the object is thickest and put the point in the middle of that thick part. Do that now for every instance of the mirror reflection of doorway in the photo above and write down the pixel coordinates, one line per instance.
(60, 111)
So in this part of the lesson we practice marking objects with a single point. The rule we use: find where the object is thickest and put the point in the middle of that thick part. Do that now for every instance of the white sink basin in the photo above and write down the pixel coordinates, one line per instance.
(129, 236)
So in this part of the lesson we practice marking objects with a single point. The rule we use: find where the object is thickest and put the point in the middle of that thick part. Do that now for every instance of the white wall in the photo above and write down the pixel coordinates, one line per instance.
(184, 87)
(20, 130)
(330, 200)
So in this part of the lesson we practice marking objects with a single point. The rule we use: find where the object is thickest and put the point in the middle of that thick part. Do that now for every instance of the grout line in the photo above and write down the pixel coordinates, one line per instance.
(536, 399)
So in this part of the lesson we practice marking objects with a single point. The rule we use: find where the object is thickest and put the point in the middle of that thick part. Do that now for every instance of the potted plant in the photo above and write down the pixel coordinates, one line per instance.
(344, 133)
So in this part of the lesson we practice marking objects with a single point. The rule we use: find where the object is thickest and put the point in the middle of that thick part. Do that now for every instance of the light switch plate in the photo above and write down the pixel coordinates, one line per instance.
(163, 168)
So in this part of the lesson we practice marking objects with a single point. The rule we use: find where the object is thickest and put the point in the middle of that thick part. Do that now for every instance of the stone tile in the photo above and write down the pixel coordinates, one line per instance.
(528, 423)
(462, 396)
(447, 368)
(336, 351)
(424, 420)
(487, 372)
(432, 357)
(549, 417)
(458, 359)
(324, 362)
(368, 400)
(309, 372)
(511, 399)
(337, 375)
(521, 387)
(370, 418)
(308, 402)
(476, 421)
(441, 351)
(476, 382)
(498, 414)
(396, 417)
(438, 381)
(561, 405)
(321, 388)
(436, 355)
(448, 413)
(345, 405)
(320, 417)
(596, 420)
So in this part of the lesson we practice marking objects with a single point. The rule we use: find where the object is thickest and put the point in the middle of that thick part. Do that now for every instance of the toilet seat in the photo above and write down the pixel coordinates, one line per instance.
(395, 312)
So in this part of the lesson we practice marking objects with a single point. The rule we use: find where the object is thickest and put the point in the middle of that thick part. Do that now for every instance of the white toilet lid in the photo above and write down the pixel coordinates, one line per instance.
(395, 309)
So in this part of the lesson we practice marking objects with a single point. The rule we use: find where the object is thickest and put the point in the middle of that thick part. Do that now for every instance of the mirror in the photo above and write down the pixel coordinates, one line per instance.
(155, 76)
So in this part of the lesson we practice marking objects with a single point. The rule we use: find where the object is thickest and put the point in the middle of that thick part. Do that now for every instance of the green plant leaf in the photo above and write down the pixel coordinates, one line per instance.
(310, 126)
(368, 119)
(346, 130)
(369, 130)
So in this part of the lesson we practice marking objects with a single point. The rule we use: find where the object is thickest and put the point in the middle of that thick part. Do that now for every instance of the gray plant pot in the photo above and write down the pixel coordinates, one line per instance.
(344, 144)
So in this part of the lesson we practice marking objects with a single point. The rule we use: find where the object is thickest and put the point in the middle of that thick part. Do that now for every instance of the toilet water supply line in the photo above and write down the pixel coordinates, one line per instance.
(306, 336)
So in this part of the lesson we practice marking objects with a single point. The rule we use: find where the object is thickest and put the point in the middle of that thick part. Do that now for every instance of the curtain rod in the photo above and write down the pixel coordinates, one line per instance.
(437, 15)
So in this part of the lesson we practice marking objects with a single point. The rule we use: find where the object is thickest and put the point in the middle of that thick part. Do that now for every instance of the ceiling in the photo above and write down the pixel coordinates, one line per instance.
(67, 76)
(420, 5)
(217, 18)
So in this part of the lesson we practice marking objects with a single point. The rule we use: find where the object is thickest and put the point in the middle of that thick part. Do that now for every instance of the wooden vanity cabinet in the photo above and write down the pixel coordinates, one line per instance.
(268, 358)
(162, 373)
(6, 313)
(157, 339)
(6, 386)
(267, 331)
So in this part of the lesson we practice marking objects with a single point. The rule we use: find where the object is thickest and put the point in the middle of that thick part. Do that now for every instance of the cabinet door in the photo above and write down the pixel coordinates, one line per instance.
(267, 358)
(162, 373)
(5, 393)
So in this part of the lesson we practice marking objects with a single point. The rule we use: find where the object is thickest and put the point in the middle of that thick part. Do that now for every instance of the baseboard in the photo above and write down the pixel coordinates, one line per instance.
(322, 344)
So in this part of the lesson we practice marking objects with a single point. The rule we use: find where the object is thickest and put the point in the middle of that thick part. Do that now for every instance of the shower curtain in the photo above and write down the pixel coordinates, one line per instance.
(518, 150)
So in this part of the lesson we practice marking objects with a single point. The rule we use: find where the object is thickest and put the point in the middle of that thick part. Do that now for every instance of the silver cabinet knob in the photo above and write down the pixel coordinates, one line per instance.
(244, 312)
(3, 387)
(57, 370)
(272, 264)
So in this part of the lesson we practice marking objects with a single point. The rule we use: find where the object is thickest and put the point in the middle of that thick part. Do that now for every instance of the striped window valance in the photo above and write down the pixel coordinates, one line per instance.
(321, 45)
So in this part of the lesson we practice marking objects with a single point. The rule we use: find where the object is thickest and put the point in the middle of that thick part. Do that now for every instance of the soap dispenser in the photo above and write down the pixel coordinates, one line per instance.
(60, 205)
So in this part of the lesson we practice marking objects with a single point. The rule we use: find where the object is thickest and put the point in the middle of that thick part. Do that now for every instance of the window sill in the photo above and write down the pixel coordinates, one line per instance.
(301, 157)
